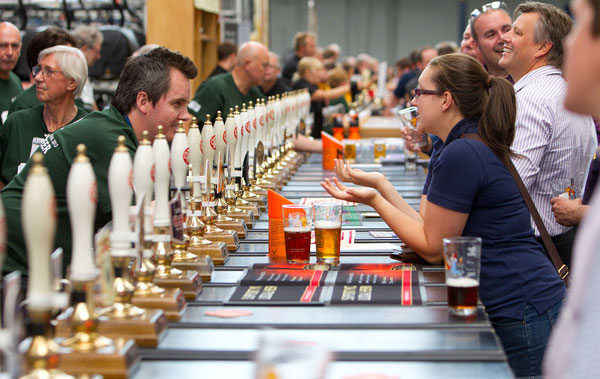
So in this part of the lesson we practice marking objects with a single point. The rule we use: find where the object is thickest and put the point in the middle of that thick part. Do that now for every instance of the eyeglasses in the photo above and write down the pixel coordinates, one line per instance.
(419, 92)
(486, 7)
(48, 72)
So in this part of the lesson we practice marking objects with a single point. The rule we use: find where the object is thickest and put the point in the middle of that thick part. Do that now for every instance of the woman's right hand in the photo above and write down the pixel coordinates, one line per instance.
(354, 195)
(348, 174)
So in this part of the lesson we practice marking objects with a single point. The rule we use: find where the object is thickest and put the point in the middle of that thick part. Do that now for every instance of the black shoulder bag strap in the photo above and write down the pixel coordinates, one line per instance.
(561, 268)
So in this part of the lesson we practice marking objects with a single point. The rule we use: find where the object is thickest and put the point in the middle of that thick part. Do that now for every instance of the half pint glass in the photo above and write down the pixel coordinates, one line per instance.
(462, 259)
(328, 231)
(297, 222)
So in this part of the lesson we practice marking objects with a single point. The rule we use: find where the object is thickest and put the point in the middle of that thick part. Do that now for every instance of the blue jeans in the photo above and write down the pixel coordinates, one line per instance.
(524, 341)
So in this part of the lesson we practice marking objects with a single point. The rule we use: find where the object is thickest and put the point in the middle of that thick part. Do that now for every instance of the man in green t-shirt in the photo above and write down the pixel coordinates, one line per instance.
(153, 90)
(10, 50)
(225, 91)
(60, 76)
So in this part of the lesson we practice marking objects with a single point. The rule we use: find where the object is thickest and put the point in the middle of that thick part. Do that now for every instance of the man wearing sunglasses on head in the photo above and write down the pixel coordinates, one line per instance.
(488, 23)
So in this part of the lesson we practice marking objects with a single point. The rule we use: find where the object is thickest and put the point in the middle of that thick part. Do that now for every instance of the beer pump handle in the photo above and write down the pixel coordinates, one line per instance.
(180, 156)
(162, 176)
(229, 162)
(195, 156)
(81, 201)
(220, 136)
(208, 183)
(231, 136)
(38, 214)
(208, 142)
(143, 182)
(237, 156)
(245, 133)
(119, 186)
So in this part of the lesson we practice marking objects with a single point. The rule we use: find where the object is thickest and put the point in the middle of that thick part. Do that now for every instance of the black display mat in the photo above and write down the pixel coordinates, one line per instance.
(351, 284)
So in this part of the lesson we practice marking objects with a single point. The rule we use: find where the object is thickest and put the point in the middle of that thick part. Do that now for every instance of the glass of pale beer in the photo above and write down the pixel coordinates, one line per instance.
(328, 232)
(297, 226)
(462, 259)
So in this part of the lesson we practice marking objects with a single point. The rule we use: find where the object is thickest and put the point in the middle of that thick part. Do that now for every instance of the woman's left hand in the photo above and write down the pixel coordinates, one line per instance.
(356, 195)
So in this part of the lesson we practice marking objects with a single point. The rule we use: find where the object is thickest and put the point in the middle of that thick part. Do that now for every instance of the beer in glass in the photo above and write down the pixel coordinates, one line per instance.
(297, 222)
(328, 232)
(462, 259)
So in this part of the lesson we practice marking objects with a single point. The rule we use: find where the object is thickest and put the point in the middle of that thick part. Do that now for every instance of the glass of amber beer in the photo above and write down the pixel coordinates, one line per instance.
(297, 225)
(462, 259)
(328, 232)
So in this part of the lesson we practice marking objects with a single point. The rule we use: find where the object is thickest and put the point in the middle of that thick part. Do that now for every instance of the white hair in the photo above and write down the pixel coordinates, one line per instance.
(71, 62)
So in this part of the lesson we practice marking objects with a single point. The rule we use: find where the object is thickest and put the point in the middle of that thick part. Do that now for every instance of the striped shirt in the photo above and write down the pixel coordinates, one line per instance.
(574, 346)
(556, 145)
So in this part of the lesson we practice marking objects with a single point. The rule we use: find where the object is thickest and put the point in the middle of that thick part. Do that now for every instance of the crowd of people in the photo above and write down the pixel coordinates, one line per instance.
(514, 99)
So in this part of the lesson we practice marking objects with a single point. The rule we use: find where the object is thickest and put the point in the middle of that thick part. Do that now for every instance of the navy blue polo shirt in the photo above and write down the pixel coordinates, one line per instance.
(466, 176)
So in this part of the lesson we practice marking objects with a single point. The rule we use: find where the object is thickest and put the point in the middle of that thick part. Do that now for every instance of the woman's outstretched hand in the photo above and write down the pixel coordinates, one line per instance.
(346, 173)
(356, 195)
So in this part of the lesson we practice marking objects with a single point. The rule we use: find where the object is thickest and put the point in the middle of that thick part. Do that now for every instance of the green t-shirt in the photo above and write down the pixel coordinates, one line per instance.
(99, 132)
(28, 100)
(340, 100)
(9, 90)
(20, 136)
(220, 93)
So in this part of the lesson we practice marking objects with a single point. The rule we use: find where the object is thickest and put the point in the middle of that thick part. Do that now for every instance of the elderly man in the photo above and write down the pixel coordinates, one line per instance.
(488, 24)
(89, 41)
(222, 92)
(10, 50)
(556, 145)
(153, 90)
(305, 45)
(227, 56)
(59, 77)
(272, 84)
(573, 349)
(53, 36)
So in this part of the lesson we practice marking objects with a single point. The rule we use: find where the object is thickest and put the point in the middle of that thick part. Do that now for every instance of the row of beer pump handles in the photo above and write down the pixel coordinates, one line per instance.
(219, 164)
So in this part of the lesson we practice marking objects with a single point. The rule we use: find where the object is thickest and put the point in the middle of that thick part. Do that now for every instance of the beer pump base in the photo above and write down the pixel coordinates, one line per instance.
(190, 283)
(230, 238)
(119, 360)
(147, 330)
(248, 217)
(171, 301)
(197, 266)
(250, 207)
(259, 200)
(217, 252)
(236, 224)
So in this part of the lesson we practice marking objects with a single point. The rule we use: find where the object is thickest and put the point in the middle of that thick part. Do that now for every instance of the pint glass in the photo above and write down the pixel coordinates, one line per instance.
(462, 259)
(297, 222)
(328, 231)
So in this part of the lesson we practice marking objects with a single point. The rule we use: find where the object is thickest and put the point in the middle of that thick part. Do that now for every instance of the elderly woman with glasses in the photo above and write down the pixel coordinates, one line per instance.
(470, 192)
(59, 79)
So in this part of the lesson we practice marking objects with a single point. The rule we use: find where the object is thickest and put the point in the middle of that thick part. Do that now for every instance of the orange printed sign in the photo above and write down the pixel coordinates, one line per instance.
(276, 236)
(332, 148)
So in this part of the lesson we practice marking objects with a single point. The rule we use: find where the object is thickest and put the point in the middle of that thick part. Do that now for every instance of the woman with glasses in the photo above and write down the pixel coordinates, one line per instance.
(59, 78)
(470, 192)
